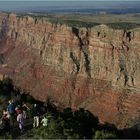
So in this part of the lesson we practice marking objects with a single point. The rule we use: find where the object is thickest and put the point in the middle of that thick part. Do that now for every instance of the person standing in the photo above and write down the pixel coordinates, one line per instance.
(5, 121)
(11, 111)
(18, 110)
(44, 121)
(5, 126)
(5, 114)
(35, 116)
(25, 110)
(20, 121)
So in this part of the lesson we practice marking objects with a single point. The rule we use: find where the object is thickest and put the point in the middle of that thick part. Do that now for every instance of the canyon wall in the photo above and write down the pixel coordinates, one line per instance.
(93, 68)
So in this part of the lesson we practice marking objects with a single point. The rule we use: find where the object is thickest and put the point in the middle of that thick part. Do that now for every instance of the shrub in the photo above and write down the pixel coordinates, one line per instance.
(104, 135)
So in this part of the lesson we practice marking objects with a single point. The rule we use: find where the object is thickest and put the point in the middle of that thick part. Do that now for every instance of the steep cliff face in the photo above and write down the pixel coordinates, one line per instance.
(95, 68)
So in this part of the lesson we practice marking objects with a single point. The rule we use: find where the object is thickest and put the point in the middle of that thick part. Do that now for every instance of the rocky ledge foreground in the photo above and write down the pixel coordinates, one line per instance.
(93, 68)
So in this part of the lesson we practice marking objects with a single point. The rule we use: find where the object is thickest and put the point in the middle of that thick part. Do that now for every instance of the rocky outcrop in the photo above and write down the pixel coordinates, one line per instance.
(95, 68)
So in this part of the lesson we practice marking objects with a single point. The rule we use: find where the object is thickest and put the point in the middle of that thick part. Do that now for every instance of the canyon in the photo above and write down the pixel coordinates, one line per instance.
(94, 68)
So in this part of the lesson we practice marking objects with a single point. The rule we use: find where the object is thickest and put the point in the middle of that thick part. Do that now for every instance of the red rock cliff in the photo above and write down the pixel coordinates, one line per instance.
(96, 68)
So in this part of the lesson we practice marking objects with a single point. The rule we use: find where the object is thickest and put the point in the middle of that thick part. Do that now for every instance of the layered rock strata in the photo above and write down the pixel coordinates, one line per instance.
(94, 68)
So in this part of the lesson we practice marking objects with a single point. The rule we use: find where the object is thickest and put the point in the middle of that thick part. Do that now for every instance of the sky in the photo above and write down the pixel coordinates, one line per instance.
(71, 0)
(30, 5)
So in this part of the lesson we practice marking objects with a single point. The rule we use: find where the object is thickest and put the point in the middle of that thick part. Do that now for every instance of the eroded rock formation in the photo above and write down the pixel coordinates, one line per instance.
(96, 68)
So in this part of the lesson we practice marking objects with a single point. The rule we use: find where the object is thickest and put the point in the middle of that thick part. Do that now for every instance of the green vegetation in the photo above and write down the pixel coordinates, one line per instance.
(124, 25)
(126, 21)
(9, 92)
(64, 124)
(6, 91)
(73, 23)
(69, 124)
(6, 136)
(104, 135)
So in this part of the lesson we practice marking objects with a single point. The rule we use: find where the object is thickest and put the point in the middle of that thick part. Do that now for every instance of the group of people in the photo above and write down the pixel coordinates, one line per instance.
(36, 117)
(14, 113)
(18, 113)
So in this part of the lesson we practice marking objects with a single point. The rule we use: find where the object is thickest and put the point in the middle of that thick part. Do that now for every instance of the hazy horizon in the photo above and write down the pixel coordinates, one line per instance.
(75, 0)
(38, 6)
